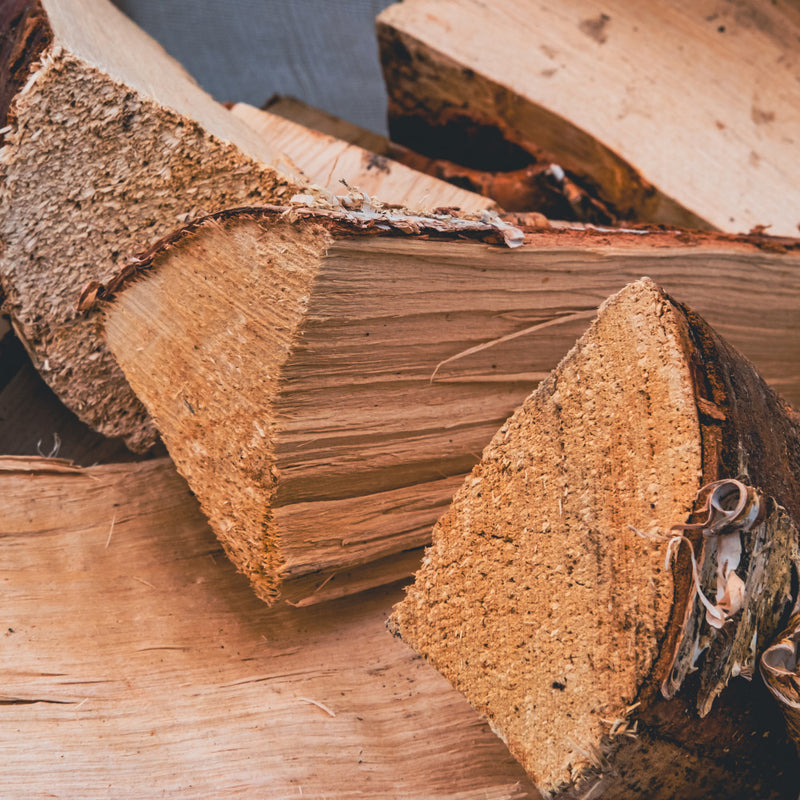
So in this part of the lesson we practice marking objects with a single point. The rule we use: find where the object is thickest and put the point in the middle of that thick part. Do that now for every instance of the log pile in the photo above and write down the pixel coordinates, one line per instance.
(264, 341)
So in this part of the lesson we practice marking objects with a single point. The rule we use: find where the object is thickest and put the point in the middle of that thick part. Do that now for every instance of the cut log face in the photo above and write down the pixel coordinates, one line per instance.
(328, 162)
(136, 663)
(706, 140)
(324, 390)
(107, 142)
(545, 597)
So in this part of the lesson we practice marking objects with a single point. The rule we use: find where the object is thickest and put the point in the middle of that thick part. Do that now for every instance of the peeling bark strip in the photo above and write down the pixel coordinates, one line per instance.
(107, 143)
(545, 597)
(612, 101)
(324, 389)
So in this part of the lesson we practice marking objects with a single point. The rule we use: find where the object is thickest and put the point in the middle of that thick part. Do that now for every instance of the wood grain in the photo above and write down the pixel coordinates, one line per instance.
(137, 664)
(688, 116)
(317, 387)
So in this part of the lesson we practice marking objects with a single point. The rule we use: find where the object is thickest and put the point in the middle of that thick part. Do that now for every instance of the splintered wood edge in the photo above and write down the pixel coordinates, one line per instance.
(526, 229)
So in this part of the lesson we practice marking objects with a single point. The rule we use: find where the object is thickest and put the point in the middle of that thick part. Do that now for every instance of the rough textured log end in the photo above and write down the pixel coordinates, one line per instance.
(103, 152)
(545, 597)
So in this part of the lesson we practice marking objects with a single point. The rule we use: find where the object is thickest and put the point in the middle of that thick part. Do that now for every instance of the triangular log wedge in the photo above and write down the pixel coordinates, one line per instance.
(546, 599)
(324, 384)
(688, 117)
(105, 141)
(328, 161)
(136, 663)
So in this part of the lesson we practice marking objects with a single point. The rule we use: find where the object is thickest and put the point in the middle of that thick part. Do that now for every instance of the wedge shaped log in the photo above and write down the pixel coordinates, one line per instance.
(324, 385)
(105, 142)
(546, 598)
(685, 118)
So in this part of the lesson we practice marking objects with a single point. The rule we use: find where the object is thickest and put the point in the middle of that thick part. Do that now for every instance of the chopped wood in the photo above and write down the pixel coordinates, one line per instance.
(324, 389)
(702, 141)
(335, 164)
(148, 669)
(545, 597)
(537, 186)
(780, 667)
(105, 143)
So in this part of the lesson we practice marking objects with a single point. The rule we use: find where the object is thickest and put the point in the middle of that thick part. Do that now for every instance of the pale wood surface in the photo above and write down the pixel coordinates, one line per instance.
(701, 98)
(326, 161)
(137, 664)
(334, 429)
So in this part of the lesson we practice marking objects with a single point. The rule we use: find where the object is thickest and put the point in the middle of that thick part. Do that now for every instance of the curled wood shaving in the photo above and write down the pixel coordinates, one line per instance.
(731, 508)
(780, 668)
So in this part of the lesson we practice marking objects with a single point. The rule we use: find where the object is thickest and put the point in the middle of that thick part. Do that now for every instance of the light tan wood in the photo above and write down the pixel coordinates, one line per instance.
(136, 663)
(316, 383)
(683, 115)
(107, 144)
(327, 161)
(545, 597)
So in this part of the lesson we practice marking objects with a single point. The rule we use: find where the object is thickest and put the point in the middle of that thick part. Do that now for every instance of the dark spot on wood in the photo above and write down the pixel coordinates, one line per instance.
(595, 28)
(761, 117)
(560, 686)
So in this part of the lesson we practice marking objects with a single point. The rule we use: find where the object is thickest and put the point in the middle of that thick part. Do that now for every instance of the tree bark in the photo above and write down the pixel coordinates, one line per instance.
(324, 385)
(546, 599)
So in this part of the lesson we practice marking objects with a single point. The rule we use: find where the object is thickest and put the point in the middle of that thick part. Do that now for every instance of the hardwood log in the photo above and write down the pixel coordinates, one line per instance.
(324, 384)
(328, 161)
(105, 142)
(536, 186)
(546, 599)
(136, 663)
(687, 117)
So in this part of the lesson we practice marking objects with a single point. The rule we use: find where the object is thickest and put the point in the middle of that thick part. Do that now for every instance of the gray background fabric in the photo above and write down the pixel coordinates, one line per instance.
(323, 52)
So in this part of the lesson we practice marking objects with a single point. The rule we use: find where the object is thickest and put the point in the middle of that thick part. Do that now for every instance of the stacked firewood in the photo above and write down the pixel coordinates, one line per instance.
(253, 362)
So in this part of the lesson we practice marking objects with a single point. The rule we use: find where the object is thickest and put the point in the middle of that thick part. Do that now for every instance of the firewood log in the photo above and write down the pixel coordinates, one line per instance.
(686, 115)
(334, 164)
(136, 663)
(537, 186)
(105, 142)
(324, 379)
(546, 597)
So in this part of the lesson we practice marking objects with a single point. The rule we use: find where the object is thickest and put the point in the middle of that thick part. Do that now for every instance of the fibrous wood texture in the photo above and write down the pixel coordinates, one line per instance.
(545, 597)
(324, 389)
(534, 187)
(328, 162)
(137, 664)
(687, 117)
(106, 143)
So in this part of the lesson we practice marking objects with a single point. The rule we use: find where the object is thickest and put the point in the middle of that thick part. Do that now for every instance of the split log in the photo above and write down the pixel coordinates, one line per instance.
(324, 385)
(329, 162)
(545, 597)
(687, 117)
(106, 142)
(537, 186)
(136, 663)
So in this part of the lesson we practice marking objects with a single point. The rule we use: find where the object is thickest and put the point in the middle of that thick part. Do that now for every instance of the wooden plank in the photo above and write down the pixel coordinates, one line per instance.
(687, 115)
(546, 599)
(324, 388)
(327, 161)
(136, 663)
(106, 143)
